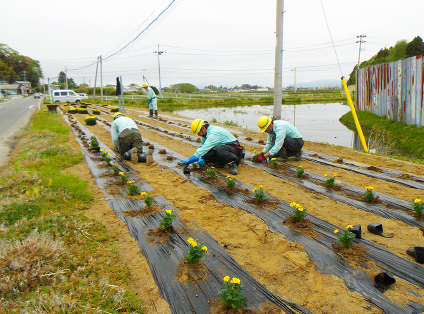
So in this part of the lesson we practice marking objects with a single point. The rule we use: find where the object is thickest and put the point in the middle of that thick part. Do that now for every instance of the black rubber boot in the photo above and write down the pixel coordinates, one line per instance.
(142, 157)
(127, 154)
(298, 155)
(151, 113)
(283, 157)
(134, 155)
(156, 114)
(233, 168)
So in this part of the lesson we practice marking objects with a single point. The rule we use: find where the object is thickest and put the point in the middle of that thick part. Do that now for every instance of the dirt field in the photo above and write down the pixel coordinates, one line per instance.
(282, 266)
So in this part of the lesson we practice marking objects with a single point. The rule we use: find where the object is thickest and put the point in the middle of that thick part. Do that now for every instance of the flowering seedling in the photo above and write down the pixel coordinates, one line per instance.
(195, 166)
(114, 109)
(93, 141)
(115, 170)
(230, 182)
(133, 189)
(106, 156)
(418, 206)
(274, 162)
(211, 172)
(259, 194)
(90, 120)
(298, 211)
(123, 177)
(300, 171)
(231, 295)
(369, 195)
(195, 252)
(330, 181)
(166, 221)
(346, 237)
(148, 199)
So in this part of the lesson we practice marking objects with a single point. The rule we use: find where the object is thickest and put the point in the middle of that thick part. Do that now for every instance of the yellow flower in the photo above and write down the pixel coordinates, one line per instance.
(204, 248)
(168, 211)
(272, 159)
(193, 244)
(293, 204)
(109, 154)
(230, 179)
(143, 193)
(298, 206)
(300, 209)
(370, 188)
(349, 227)
(260, 186)
(254, 153)
(254, 190)
(212, 167)
(300, 166)
(417, 200)
(336, 231)
(189, 240)
(226, 278)
(121, 173)
(227, 177)
(325, 175)
(235, 280)
(334, 174)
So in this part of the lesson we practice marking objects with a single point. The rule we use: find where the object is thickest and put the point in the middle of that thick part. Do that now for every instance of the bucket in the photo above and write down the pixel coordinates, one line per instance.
(357, 230)
(419, 254)
(375, 228)
(383, 281)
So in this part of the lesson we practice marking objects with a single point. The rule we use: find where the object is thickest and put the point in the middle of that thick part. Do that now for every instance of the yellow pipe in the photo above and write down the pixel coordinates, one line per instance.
(355, 117)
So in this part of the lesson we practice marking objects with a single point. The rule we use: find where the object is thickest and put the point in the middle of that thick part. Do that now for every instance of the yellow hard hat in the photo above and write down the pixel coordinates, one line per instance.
(117, 114)
(196, 125)
(144, 85)
(263, 123)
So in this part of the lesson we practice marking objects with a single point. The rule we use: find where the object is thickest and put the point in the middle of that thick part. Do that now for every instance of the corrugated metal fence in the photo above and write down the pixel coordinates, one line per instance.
(394, 90)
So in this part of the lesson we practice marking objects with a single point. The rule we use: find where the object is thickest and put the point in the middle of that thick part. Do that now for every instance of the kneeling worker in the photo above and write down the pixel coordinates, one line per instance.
(127, 138)
(217, 146)
(284, 140)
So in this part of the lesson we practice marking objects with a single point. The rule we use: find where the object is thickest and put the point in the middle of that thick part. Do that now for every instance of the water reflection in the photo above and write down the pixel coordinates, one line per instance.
(316, 122)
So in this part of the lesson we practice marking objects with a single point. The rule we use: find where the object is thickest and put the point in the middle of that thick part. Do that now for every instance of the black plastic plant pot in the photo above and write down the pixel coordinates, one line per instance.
(411, 251)
(375, 228)
(383, 281)
(419, 254)
(186, 170)
(357, 230)
(96, 148)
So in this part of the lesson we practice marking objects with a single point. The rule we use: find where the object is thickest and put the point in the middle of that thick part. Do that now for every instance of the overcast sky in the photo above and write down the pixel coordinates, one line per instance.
(220, 42)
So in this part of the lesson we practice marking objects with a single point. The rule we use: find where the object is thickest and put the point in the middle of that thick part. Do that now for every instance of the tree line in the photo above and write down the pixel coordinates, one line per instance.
(401, 50)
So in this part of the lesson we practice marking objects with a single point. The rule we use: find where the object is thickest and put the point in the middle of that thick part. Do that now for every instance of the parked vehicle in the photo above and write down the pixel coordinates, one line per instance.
(37, 95)
(83, 96)
(65, 95)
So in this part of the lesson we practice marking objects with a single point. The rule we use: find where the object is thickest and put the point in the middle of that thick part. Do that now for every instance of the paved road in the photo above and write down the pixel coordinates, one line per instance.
(14, 115)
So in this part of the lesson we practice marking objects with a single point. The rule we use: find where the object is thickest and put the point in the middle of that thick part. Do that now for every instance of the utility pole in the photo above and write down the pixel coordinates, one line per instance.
(159, 53)
(66, 77)
(95, 79)
(360, 41)
(24, 73)
(278, 71)
(101, 80)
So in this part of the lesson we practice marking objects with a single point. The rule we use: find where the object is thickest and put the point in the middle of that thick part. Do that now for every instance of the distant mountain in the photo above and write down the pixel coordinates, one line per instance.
(329, 83)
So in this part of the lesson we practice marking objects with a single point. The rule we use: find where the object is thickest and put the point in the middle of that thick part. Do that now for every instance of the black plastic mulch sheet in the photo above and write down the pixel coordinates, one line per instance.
(390, 175)
(376, 209)
(192, 296)
(319, 248)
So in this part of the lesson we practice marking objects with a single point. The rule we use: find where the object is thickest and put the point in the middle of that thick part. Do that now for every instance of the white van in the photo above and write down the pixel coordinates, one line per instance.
(65, 95)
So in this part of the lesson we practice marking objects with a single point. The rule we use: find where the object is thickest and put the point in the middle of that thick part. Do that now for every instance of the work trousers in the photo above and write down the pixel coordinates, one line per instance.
(291, 145)
(224, 154)
(128, 139)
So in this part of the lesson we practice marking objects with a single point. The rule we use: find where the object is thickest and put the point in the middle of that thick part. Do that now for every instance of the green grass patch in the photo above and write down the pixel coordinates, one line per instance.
(52, 257)
(406, 138)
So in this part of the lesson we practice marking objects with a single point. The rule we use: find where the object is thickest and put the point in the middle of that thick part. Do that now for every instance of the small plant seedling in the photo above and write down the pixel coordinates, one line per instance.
(211, 172)
(259, 194)
(346, 237)
(330, 181)
(195, 252)
(298, 211)
(368, 194)
(300, 172)
(166, 221)
(231, 296)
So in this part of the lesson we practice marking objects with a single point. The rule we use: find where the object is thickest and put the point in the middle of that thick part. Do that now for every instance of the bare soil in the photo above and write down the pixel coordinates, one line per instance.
(282, 266)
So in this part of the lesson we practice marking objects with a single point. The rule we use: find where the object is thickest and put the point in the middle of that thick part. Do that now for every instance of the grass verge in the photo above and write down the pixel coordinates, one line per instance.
(406, 138)
(54, 259)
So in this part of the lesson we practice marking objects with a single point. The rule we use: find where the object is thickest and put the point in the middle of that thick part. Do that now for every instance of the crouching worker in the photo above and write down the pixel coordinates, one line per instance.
(127, 138)
(284, 140)
(217, 146)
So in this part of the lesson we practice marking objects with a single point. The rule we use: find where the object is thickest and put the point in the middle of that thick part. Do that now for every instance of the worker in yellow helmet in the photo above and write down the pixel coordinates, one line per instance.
(151, 100)
(284, 140)
(217, 146)
(127, 138)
